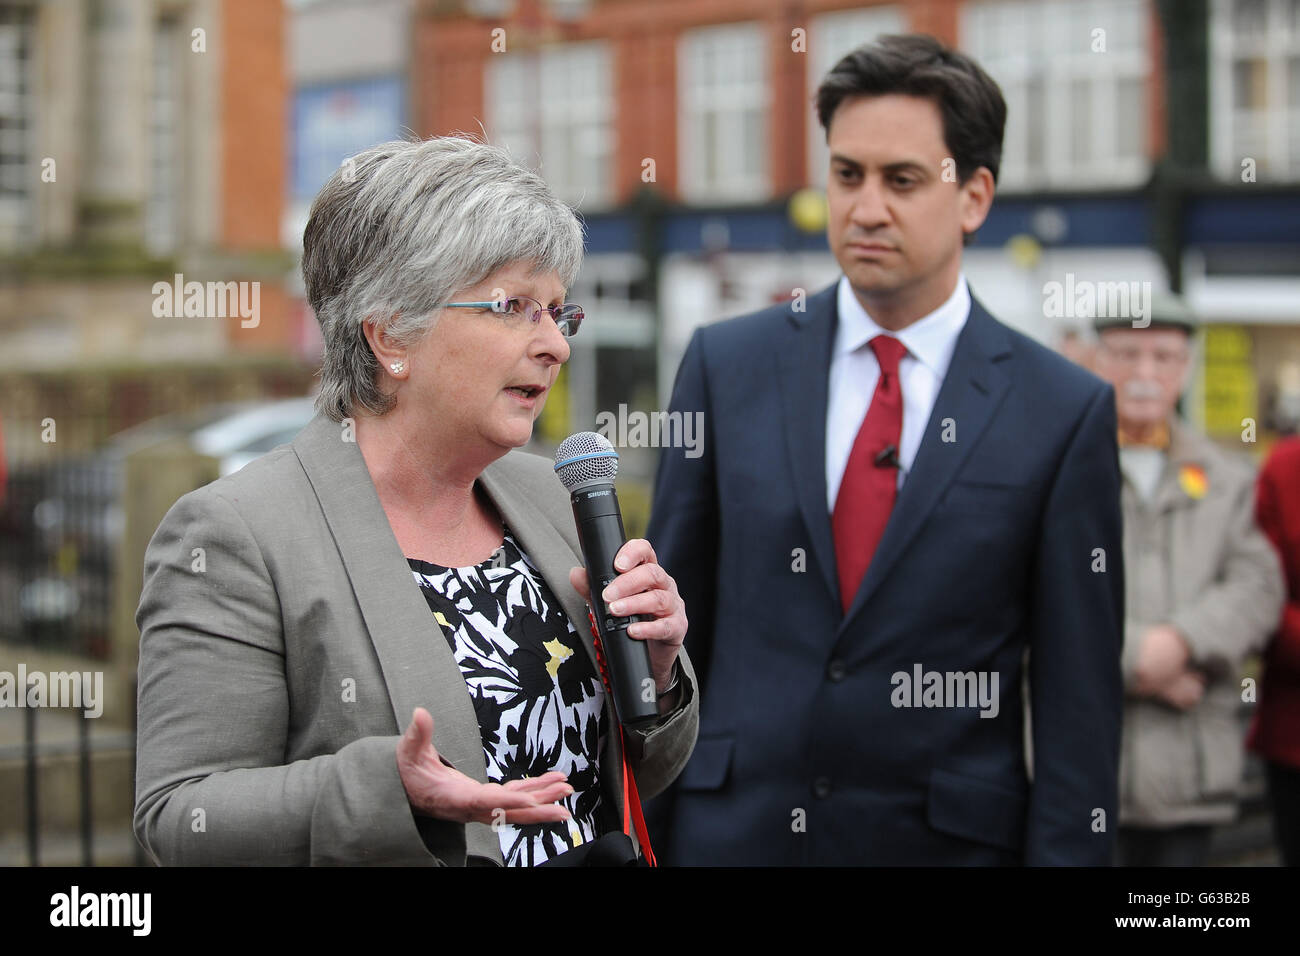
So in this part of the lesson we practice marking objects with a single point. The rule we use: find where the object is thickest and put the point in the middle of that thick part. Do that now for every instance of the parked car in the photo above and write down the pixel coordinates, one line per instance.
(246, 434)
(61, 522)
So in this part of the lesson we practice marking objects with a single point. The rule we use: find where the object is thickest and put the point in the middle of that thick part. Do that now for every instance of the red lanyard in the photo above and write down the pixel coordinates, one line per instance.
(632, 816)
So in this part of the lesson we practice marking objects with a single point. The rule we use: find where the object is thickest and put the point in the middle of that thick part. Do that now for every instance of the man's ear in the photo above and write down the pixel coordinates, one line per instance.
(976, 199)
(386, 351)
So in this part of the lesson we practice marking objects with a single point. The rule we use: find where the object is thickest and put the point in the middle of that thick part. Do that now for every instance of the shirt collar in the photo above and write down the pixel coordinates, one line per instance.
(1159, 438)
(930, 340)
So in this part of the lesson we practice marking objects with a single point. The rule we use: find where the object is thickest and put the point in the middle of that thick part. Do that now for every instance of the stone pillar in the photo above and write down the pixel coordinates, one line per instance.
(116, 121)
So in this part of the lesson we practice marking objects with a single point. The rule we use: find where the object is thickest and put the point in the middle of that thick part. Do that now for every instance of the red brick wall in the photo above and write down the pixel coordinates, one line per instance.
(447, 73)
(254, 122)
(254, 134)
(645, 115)
(1157, 140)
(939, 18)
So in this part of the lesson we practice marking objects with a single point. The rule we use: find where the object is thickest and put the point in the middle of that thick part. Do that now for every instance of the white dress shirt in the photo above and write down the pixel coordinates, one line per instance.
(854, 372)
(1143, 467)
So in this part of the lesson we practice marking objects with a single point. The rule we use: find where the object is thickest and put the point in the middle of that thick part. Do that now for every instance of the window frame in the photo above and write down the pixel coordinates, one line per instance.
(1021, 44)
(716, 107)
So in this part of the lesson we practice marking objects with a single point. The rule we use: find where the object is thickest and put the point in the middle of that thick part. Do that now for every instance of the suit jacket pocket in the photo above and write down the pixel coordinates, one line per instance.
(976, 809)
(979, 497)
(710, 764)
(1219, 735)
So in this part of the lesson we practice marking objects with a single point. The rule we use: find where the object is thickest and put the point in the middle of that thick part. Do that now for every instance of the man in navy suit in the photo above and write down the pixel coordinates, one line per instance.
(904, 520)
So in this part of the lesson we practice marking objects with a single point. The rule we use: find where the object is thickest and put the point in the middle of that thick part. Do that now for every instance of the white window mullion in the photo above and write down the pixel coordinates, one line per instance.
(1105, 119)
(1220, 80)
(1015, 156)
(1275, 124)
(1020, 43)
(575, 109)
(722, 76)
(1056, 121)
(18, 168)
(551, 108)
(1262, 131)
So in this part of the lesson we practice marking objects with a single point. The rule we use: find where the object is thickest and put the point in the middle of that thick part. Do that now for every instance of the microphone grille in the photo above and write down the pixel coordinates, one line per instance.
(586, 456)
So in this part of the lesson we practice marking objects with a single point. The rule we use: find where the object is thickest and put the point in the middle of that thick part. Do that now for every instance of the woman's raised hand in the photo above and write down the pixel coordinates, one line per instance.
(438, 790)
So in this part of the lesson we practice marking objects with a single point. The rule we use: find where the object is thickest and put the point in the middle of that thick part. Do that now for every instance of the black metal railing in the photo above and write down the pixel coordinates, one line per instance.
(59, 528)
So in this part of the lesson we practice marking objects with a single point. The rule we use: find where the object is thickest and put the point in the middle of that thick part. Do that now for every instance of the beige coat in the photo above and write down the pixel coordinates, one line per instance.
(276, 678)
(1203, 566)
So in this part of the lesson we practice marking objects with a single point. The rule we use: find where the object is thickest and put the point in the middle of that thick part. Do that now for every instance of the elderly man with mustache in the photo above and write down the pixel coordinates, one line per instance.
(1203, 591)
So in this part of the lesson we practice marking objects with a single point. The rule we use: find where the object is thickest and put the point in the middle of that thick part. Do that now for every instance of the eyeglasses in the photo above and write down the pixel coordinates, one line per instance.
(1166, 360)
(567, 317)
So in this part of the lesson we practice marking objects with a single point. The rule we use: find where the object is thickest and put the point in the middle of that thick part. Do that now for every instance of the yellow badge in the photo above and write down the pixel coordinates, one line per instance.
(1191, 478)
(559, 654)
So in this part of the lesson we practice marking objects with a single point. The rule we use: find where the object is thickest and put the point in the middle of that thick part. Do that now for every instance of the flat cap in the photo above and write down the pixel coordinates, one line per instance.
(1167, 311)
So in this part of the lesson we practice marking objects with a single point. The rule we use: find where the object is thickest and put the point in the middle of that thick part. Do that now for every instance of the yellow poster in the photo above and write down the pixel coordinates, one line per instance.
(1228, 383)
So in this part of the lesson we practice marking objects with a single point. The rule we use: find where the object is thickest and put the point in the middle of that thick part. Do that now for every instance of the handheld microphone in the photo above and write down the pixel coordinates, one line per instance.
(587, 464)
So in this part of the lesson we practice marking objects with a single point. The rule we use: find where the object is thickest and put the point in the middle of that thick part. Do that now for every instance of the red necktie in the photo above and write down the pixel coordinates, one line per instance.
(868, 489)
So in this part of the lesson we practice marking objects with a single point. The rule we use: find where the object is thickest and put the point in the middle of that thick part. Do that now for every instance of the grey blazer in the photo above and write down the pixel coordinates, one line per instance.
(284, 645)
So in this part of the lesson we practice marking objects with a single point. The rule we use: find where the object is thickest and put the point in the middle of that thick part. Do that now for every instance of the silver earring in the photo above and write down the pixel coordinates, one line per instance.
(397, 367)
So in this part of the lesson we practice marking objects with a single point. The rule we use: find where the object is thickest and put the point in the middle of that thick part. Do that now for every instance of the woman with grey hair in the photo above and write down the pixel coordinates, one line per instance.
(370, 645)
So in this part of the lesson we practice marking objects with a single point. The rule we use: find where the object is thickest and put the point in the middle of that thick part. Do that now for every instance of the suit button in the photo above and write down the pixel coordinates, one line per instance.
(836, 671)
(821, 788)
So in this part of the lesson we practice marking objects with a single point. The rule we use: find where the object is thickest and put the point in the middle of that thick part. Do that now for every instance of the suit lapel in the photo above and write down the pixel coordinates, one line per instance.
(804, 360)
(972, 390)
(418, 666)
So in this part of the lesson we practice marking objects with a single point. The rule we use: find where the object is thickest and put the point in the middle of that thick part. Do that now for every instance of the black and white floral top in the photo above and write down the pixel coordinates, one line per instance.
(538, 697)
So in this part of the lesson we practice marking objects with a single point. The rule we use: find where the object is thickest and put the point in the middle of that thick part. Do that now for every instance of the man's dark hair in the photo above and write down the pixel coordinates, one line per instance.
(974, 113)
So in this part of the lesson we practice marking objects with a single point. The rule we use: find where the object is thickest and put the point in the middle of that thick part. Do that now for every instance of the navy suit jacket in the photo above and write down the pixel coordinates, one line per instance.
(1002, 556)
